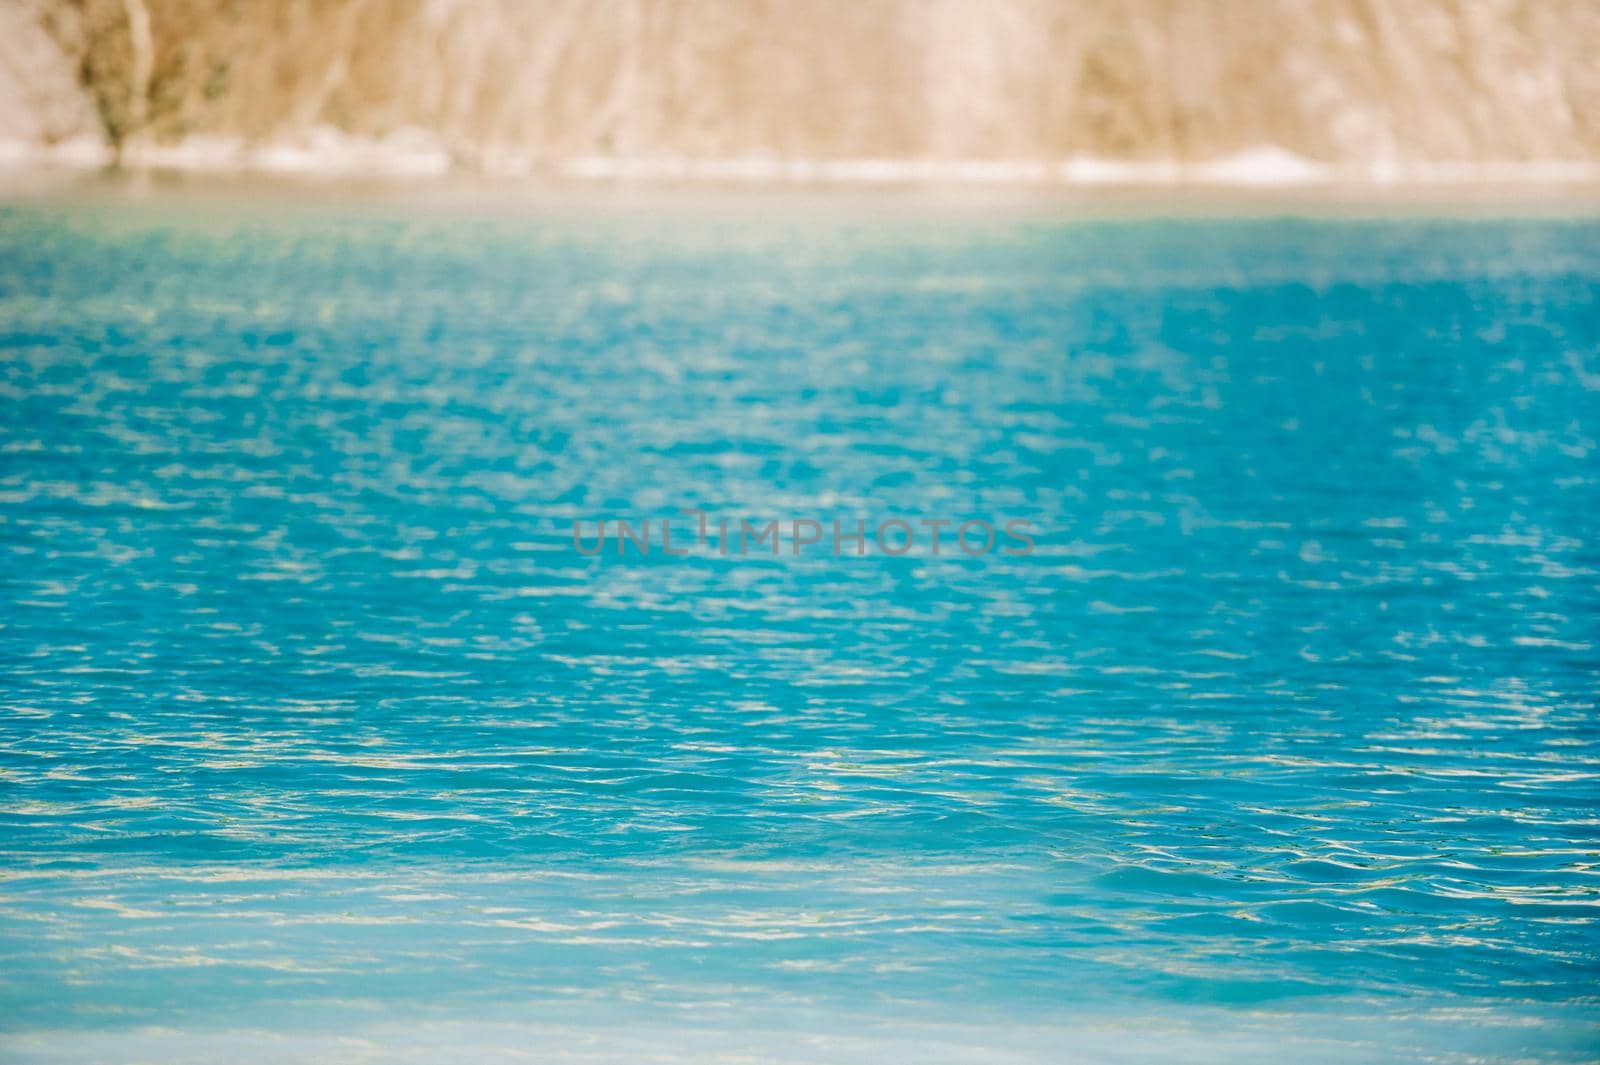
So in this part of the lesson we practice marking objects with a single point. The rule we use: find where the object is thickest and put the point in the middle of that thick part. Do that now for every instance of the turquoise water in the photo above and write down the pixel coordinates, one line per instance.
(320, 739)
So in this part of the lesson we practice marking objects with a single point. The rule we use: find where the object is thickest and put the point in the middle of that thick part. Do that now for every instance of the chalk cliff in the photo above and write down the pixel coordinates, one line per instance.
(42, 101)
(1049, 88)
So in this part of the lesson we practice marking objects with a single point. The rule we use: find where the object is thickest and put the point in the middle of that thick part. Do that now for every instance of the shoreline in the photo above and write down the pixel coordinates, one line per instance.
(328, 154)
(637, 196)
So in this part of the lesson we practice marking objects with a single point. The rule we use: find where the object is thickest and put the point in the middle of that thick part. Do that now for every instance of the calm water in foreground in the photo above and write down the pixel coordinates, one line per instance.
(319, 740)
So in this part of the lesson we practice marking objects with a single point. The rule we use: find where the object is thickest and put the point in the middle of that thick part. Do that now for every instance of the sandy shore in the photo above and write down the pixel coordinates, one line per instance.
(329, 153)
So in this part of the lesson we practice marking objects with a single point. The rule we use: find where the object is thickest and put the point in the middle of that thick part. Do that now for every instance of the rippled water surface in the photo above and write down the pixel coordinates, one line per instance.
(1282, 744)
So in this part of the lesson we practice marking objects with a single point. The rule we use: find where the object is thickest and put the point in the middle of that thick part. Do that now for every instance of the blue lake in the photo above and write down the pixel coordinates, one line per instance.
(1281, 744)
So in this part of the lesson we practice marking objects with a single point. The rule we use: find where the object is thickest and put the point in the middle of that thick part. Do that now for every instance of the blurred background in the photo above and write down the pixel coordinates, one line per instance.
(1163, 90)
